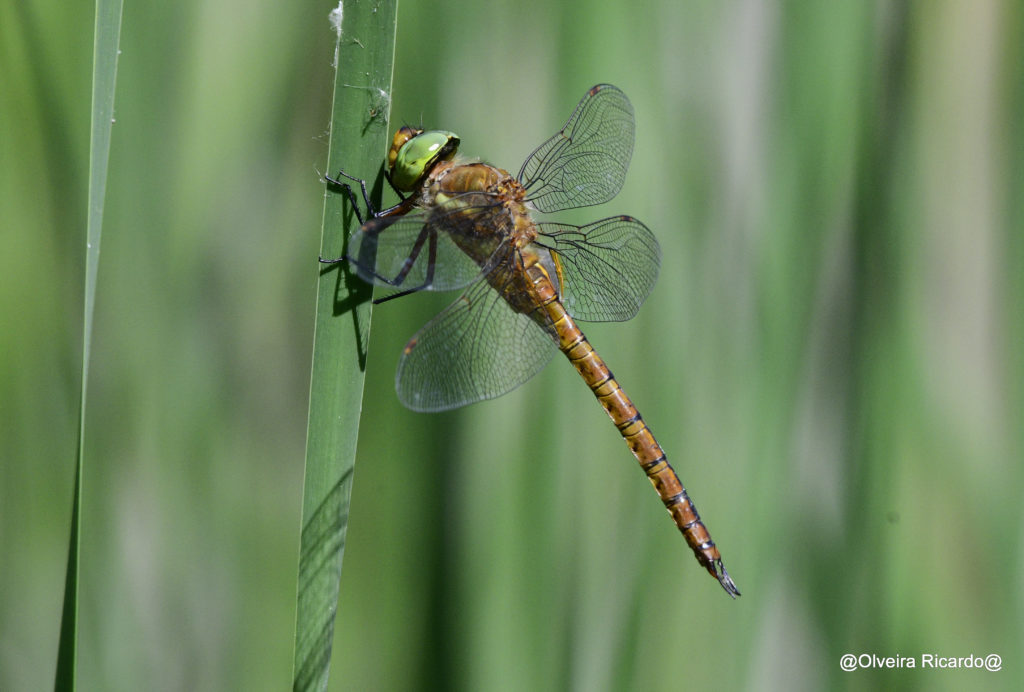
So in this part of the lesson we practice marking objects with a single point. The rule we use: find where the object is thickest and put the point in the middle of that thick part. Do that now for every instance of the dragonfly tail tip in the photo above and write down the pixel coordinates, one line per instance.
(718, 572)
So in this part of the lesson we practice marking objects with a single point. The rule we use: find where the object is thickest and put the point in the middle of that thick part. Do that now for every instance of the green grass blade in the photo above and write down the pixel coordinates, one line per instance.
(359, 128)
(104, 77)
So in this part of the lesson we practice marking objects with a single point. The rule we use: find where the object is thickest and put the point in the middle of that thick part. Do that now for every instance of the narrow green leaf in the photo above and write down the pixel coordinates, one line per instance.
(104, 77)
(359, 128)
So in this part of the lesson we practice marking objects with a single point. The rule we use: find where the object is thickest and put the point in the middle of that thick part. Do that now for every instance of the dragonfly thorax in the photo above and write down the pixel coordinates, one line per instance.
(458, 177)
(450, 185)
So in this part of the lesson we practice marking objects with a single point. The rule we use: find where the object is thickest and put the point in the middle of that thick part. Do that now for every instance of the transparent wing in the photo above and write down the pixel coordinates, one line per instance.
(430, 249)
(477, 348)
(608, 267)
(585, 163)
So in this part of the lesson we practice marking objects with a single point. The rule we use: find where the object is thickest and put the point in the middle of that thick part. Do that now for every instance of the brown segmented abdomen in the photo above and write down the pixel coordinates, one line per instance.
(650, 455)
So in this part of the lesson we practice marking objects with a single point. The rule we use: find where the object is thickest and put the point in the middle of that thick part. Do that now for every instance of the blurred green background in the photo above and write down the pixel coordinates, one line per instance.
(832, 356)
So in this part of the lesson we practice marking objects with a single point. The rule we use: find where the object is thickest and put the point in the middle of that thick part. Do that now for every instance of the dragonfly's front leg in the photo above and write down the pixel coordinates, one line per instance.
(370, 209)
(347, 189)
(401, 208)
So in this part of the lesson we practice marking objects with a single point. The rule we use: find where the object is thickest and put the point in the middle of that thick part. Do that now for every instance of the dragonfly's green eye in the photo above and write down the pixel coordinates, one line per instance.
(418, 155)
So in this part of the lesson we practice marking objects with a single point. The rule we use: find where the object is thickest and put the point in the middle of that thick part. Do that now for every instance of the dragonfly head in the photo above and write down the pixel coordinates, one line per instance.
(414, 152)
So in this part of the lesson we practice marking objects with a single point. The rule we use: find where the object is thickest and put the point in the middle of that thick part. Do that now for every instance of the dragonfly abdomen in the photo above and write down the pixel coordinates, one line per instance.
(591, 367)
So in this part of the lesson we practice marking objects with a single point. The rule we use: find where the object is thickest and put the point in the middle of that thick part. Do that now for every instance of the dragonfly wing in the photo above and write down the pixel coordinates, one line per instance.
(433, 249)
(608, 267)
(585, 163)
(477, 348)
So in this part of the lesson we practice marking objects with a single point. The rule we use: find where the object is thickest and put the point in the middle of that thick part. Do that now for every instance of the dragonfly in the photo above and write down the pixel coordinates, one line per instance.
(465, 224)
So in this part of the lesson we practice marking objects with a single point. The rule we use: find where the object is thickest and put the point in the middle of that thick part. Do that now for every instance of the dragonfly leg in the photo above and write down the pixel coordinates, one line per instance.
(371, 210)
(387, 177)
(347, 189)
(402, 207)
(425, 234)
